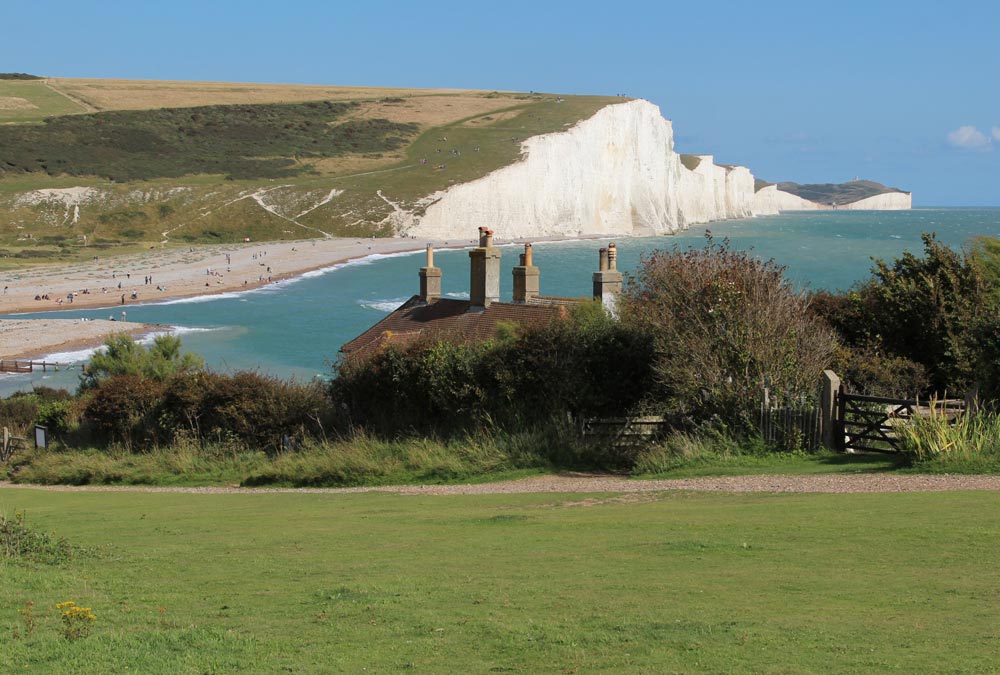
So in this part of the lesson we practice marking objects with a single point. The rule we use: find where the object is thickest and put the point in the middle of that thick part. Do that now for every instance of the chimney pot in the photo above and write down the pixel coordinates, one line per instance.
(484, 271)
(608, 280)
(525, 278)
(430, 278)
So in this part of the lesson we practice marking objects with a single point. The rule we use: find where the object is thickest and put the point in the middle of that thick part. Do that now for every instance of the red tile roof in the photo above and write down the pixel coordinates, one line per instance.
(452, 320)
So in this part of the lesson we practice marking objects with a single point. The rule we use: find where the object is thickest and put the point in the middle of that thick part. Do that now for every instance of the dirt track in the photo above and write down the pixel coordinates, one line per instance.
(592, 483)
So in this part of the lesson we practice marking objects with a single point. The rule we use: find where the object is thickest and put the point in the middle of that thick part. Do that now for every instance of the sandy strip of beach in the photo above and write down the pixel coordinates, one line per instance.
(37, 338)
(168, 273)
(115, 282)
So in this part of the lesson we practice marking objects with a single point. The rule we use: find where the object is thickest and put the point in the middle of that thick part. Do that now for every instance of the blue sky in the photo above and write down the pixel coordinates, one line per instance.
(906, 93)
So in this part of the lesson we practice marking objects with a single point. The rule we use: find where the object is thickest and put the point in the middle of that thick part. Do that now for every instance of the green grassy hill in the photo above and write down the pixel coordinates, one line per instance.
(836, 194)
(117, 165)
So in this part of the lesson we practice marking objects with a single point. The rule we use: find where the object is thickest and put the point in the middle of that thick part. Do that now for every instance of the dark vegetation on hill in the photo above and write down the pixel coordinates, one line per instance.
(238, 141)
(835, 194)
(700, 333)
(19, 76)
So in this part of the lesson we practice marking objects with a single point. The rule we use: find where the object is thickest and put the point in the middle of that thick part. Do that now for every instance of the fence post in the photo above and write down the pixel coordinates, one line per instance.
(972, 400)
(829, 385)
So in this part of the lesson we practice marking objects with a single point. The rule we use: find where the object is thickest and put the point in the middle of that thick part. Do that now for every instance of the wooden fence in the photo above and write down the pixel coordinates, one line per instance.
(622, 430)
(839, 421)
(795, 427)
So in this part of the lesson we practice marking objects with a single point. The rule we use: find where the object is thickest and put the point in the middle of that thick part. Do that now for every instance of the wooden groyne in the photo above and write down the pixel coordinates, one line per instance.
(28, 366)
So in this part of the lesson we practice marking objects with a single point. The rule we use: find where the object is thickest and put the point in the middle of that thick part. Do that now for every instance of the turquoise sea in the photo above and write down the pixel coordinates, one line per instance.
(295, 328)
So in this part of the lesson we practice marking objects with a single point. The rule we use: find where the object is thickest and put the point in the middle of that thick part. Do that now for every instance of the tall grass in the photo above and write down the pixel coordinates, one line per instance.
(357, 460)
(683, 452)
(968, 443)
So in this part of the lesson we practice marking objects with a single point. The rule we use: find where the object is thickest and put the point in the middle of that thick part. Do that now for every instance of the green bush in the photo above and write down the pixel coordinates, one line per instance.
(122, 355)
(121, 410)
(724, 325)
(59, 417)
(588, 364)
(259, 411)
(18, 412)
(865, 370)
(936, 310)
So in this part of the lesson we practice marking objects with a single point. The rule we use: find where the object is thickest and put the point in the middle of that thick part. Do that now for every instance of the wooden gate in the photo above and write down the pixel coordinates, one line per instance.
(871, 423)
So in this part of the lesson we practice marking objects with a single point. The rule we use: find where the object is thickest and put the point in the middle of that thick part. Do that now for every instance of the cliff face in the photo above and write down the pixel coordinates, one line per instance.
(770, 200)
(615, 173)
(889, 201)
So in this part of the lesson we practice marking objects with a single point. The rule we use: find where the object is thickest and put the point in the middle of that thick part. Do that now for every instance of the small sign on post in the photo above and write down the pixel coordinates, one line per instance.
(41, 436)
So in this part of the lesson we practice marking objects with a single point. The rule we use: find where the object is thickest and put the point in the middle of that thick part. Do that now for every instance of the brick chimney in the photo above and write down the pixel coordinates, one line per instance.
(607, 278)
(430, 278)
(525, 278)
(484, 268)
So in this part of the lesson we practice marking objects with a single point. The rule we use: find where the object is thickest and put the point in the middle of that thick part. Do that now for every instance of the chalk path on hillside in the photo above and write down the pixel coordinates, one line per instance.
(601, 483)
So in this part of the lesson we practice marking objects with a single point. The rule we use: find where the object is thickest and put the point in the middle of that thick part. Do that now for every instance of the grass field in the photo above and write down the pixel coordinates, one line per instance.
(672, 583)
(114, 94)
(24, 101)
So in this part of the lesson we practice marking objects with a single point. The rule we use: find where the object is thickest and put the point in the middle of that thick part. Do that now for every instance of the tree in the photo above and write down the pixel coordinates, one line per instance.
(124, 356)
(724, 325)
(932, 309)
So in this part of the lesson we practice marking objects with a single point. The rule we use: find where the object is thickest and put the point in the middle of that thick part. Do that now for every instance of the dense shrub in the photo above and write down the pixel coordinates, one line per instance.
(865, 370)
(936, 310)
(59, 417)
(244, 410)
(261, 412)
(121, 410)
(18, 412)
(590, 365)
(724, 325)
(587, 364)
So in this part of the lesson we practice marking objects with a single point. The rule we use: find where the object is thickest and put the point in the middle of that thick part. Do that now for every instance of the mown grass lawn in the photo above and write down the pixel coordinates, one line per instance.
(671, 583)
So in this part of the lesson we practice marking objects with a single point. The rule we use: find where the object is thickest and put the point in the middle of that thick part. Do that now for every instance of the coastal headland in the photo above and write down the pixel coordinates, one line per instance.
(324, 175)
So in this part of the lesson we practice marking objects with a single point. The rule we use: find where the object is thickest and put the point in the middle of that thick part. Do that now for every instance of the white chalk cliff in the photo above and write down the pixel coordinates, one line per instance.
(889, 201)
(614, 173)
(772, 200)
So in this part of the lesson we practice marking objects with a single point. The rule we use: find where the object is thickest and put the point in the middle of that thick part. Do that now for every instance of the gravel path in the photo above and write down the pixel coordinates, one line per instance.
(597, 483)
